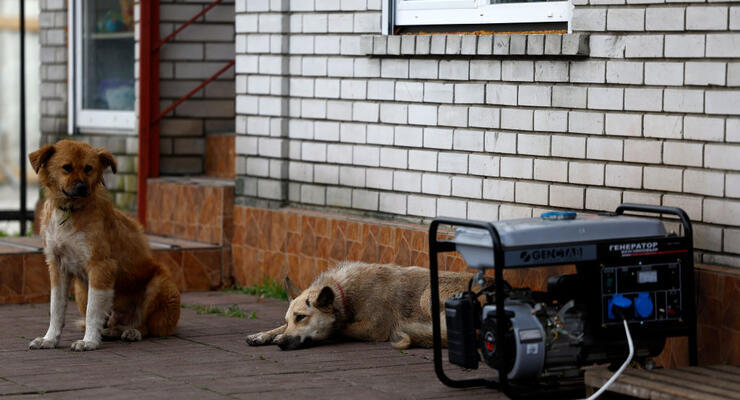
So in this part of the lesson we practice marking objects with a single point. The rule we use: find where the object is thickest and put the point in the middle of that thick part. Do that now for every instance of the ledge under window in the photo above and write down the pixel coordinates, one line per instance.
(570, 45)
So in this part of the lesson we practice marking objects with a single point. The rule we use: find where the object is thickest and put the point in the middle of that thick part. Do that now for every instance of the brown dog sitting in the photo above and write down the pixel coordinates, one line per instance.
(118, 286)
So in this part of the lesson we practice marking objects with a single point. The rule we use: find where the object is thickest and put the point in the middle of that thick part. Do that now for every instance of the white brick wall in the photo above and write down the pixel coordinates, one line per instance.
(430, 128)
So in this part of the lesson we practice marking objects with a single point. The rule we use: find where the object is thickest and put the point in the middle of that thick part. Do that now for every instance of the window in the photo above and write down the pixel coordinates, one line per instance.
(480, 12)
(101, 79)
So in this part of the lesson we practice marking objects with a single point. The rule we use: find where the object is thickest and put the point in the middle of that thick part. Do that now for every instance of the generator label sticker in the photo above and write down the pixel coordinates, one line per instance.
(550, 255)
(628, 249)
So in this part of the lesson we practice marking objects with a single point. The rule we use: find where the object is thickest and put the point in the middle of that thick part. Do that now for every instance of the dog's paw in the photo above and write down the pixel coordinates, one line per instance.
(258, 339)
(82, 345)
(131, 335)
(110, 334)
(41, 343)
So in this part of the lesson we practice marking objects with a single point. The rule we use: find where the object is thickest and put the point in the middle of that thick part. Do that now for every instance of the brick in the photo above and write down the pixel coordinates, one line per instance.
(626, 176)
(394, 68)
(586, 122)
(639, 99)
(366, 67)
(499, 93)
(643, 46)
(707, 237)
(486, 70)
(722, 156)
(627, 72)
(501, 142)
(623, 124)
(690, 204)
(679, 153)
(469, 44)
(438, 138)
(643, 151)
(683, 100)
(422, 206)
(520, 71)
(393, 158)
(664, 73)
(604, 149)
(723, 45)
(479, 164)
(550, 170)
(552, 121)
(603, 199)
(684, 46)
(518, 44)
(569, 146)
(732, 185)
(452, 208)
(438, 92)
(453, 44)
(566, 196)
(575, 44)
(535, 44)
(482, 211)
(586, 173)
(497, 189)
(470, 140)
(456, 163)
(704, 128)
(454, 69)
(569, 96)
(706, 18)
(339, 110)
(423, 69)
(723, 102)
(733, 130)
(705, 73)
(518, 119)
(467, 187)
(625, 19)
(587, 71)
(501, 44)
(408, 136)
(511, 212)
(534, 95)
(452, 116)
(338, 66)
(438, 44)
(551, 71)
(409, 91)
(407, 181)
(533, 144)
(392, 203)
(485, 46)
(423, 160)
(606, 46)
(664, 19)
(531, 193)
(725, 212)
(732, 240)
(484, 117)
(352, 176)
(663, 126)
(605, 98)
(376, 89)
(422, 114)
(660, 178)
(364, 199)
(589, 19)
(469, 93)
(423, 44)
(515, 167)
(553, 44)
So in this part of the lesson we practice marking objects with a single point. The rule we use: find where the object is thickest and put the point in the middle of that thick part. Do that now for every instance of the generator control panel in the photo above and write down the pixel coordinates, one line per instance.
(649, 292)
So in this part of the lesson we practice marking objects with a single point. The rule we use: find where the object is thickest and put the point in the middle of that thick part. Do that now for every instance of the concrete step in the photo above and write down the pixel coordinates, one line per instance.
(195, 266)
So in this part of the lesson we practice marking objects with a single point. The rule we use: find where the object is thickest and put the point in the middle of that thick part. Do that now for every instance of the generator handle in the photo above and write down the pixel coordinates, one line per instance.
(441, 246)
(681, 214)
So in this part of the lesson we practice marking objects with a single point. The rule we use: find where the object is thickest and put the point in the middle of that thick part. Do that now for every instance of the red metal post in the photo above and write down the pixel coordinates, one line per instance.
(148, 100)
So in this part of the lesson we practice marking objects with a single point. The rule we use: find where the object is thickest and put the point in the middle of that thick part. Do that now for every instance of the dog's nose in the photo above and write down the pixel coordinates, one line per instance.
(80, 189)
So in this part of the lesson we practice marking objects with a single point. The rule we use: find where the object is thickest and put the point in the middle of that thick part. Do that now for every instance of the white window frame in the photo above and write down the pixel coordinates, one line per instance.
(462, 12)
(80, 119)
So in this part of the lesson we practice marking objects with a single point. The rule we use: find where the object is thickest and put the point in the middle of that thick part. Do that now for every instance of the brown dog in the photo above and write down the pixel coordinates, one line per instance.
(117, 283)
(370, 302)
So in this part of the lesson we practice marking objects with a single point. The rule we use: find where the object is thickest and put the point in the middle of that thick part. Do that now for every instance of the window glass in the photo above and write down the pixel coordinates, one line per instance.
(108, 55)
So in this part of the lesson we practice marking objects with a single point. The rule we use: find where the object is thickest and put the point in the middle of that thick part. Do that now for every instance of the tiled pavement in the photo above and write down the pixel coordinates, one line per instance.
(207, 359)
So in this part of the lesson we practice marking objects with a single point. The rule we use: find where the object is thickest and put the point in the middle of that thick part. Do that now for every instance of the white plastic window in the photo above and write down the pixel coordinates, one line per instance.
(461, 12)
(101, 80)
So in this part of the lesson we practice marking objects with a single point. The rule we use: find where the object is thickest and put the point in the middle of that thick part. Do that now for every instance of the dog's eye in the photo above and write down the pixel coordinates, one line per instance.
(299, 318)
(88, 169)
(67, 167)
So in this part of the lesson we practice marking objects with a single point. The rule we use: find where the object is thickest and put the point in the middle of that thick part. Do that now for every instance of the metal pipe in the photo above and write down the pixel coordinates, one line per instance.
(23, 116)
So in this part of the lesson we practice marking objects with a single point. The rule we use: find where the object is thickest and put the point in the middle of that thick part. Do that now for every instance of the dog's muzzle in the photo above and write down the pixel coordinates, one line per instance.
(80, 189)
(294, 343)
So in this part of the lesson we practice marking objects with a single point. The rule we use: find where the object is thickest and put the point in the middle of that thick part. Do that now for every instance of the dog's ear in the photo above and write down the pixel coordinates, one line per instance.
(291, 289)
(325, 299)
(107, 160)
(40, 157)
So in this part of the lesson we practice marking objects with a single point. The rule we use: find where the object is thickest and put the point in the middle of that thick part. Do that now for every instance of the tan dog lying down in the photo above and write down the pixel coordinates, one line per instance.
(117, 283)
(360, 301)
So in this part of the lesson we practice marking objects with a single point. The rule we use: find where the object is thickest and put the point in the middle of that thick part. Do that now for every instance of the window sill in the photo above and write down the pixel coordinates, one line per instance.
(552, 45)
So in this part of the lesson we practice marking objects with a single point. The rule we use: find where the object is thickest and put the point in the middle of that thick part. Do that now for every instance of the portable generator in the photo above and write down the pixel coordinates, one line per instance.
(631, 274)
